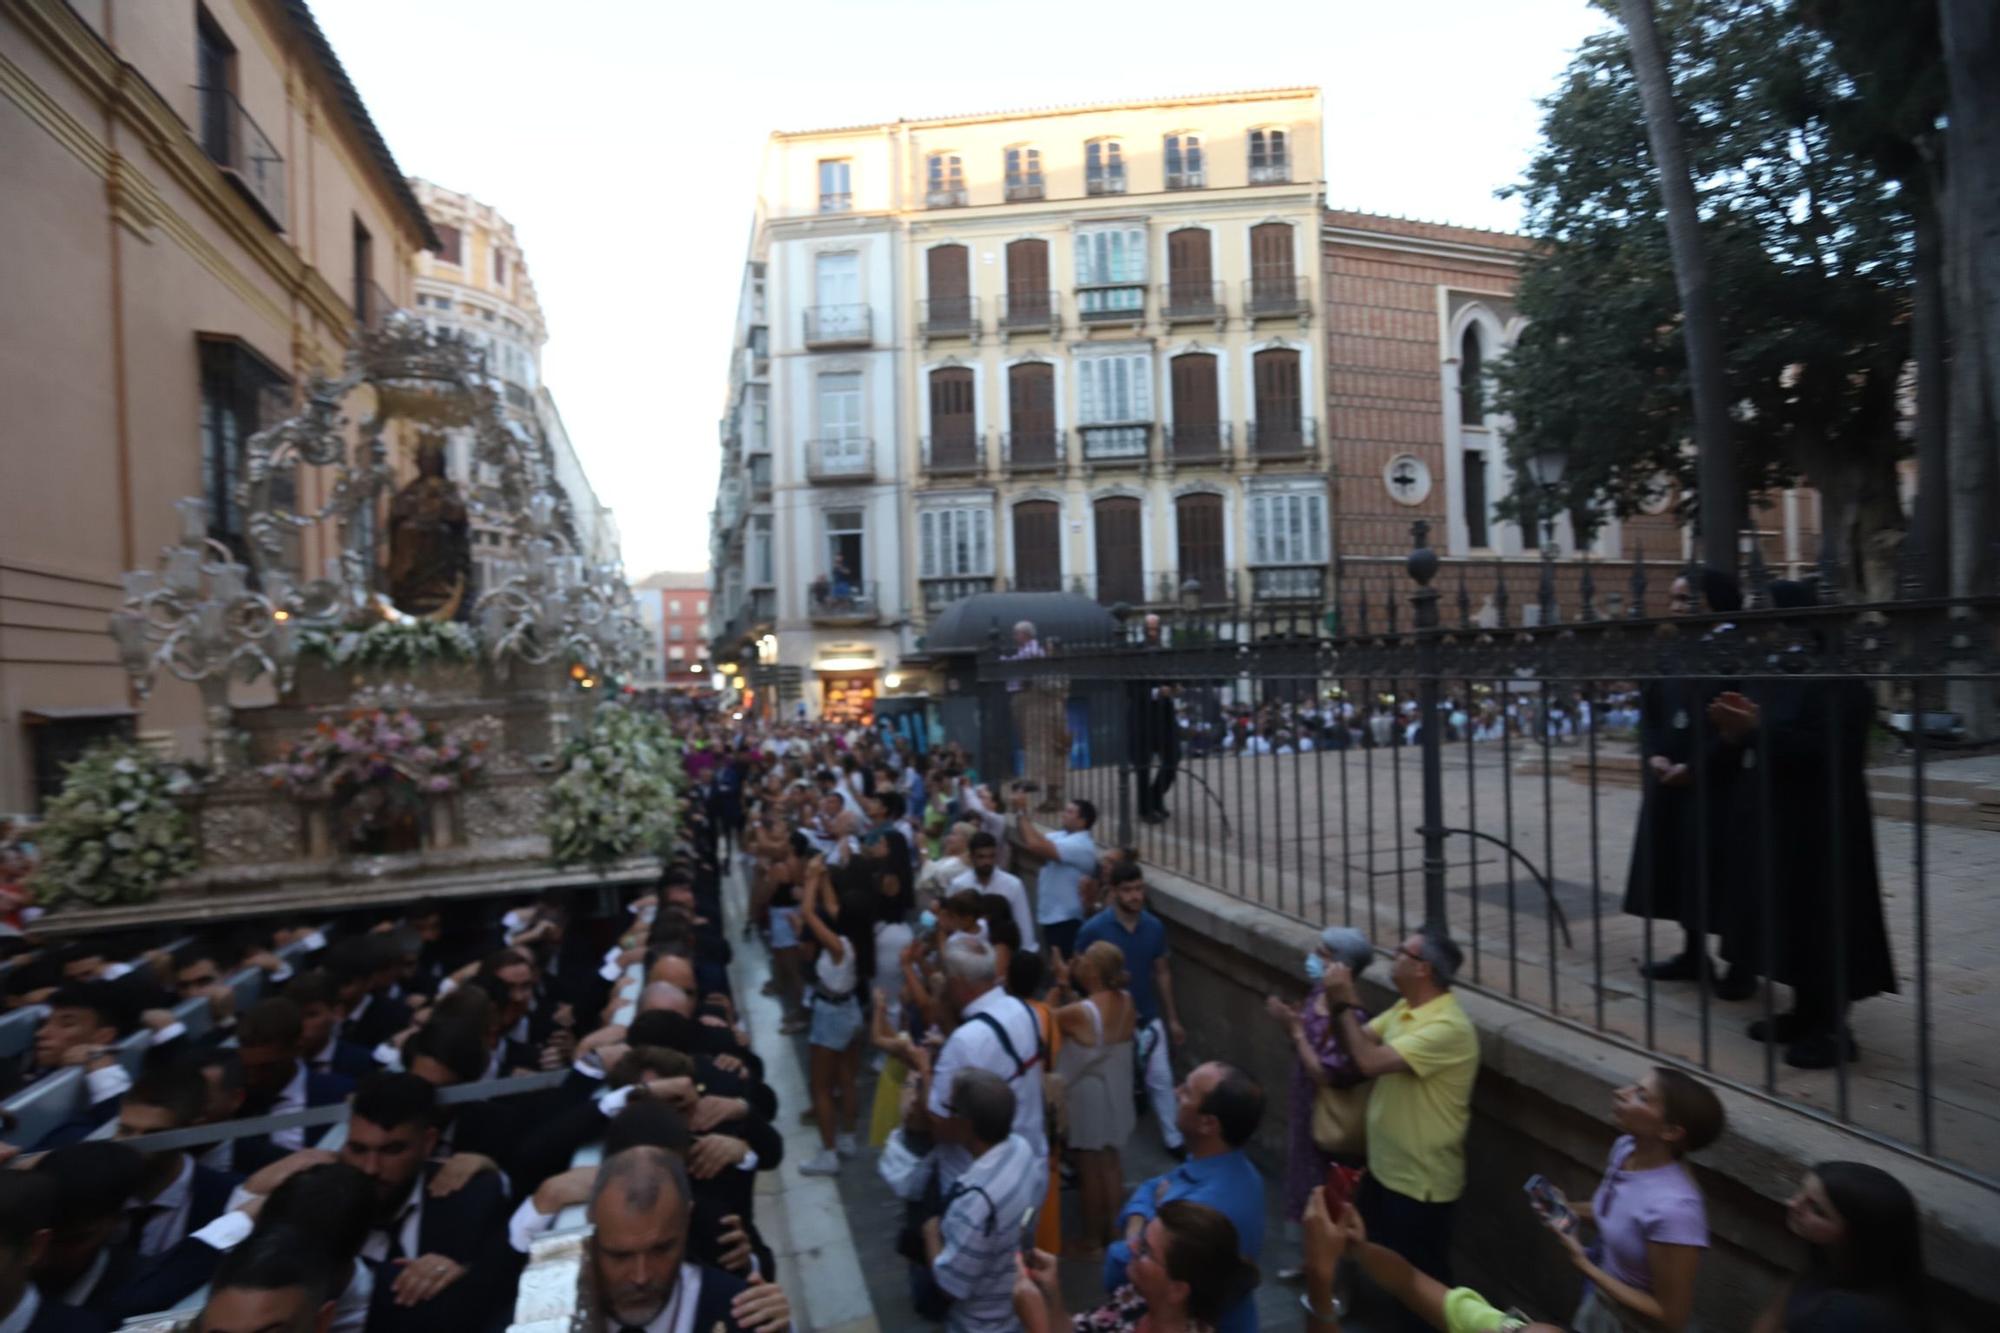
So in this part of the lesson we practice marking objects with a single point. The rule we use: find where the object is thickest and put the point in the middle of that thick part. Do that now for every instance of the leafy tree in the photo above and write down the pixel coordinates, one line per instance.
(1809, 244)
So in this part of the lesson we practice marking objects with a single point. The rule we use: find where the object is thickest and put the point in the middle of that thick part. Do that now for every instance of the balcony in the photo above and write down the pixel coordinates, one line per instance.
(1193, 303)
(1024, 451)
(1120, 303)
(843, 603)
(372, 306)
(1104, 182)
(948, 317)
(836, 201)
(1292, 584)
(940, 593)
(843, 460)
(839, 326)
(1211, 589)
(244, 152)
(1030, 312)
(1187, 180)
(1124, 444)
(1277, 296)
(953, 198)
(1199, 444)
(960, 454)
(1283, 441)
(759, 467)
(1277, 171)
(1025, 190)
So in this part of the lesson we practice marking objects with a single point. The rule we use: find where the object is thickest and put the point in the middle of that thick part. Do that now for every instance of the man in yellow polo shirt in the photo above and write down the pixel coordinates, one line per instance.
(1423, 1055)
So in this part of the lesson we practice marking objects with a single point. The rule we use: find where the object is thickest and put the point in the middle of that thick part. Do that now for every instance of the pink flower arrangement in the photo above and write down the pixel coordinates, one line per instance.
(378, 761)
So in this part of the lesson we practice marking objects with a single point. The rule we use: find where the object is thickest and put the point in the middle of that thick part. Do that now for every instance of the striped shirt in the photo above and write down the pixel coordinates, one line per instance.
(984, 1217)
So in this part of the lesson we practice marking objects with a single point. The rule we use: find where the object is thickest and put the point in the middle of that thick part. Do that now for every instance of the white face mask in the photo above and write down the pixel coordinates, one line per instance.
(1315, 967)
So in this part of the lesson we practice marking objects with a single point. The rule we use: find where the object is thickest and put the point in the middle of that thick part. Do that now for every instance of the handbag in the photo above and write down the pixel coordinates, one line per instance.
(1340, 1120)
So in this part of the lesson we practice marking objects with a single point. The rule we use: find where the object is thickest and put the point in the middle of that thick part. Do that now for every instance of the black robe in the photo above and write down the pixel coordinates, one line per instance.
(1665, 881)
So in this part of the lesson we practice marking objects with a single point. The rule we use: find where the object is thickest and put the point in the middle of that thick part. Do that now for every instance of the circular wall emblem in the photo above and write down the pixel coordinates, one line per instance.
(1408, 479)
(1658, 495)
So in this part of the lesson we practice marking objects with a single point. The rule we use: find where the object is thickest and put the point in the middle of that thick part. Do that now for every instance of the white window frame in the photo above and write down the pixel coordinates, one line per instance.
(1033, 183)
(845, 168)
(1111, 165)
(1188, 145)
(1283, 159)
(841, 434)
(1112, 267)
(1300, 537)
(955, 541)
(944, 174)
(760, 555)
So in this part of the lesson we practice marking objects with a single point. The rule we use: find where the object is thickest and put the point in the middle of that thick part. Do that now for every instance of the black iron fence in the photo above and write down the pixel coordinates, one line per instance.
(1795, 788)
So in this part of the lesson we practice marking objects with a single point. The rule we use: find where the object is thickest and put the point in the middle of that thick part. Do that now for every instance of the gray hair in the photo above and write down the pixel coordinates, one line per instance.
(1027, 625)
(640, 1173)
(1348, 946)
(982, 1098)
(1443, 956)
(969, 958)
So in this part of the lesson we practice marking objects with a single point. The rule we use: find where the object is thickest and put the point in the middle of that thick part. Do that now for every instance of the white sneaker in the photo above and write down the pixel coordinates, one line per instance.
(826, 1164)
(847, 1146)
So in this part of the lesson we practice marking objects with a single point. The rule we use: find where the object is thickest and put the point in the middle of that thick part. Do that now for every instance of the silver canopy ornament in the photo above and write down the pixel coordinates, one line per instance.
(550, 603)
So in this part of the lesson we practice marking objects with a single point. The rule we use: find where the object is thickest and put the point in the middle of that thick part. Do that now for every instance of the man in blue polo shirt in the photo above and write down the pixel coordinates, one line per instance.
(1142, 938)
(1219, 1108)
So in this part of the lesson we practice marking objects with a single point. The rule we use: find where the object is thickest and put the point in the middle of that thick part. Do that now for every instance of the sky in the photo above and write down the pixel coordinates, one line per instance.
(622, 138)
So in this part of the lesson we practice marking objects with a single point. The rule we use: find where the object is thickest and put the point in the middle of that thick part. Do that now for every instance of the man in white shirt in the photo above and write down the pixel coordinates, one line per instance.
(1068, 855)
(985, 876)
(997, 1033)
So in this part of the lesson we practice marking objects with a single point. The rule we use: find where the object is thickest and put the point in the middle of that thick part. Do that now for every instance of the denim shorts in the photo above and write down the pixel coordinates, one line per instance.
(835, 1026)
(784, 927)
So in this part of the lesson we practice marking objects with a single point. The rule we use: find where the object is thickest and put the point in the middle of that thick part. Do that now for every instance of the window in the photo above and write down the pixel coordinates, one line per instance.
(837, 290)
(1038, 546)
(215, 66)
(1183, 155)
(1198, 543)
(1471, 378)
(1197, 406)
(1104, 167)
(955, 542)
(844, 541)
(365, 312)
(1029, 300)
(1472, 467)
(240, 394)
(1274, 284)
(761, 562)
(835, 185)
(842, 446)
(676, 654)
(1110, 271)
(1270, 160)
(701, 607)
(676, 633)
(500, 269)
(1031, 414)
(1024, 173)
(673, 606)
(945, 181)
(954, 440)
(1190, 273)
(948, 274)
(1288, 528)
(1115, 405)
(760, 421)
(1120, 563)
(451, 245)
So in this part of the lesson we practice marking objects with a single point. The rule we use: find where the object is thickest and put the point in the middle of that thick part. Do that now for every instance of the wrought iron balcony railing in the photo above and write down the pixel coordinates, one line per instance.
(1017, 191)
(839, 326)
(245, 153)
(1199, 444)
(1025, 312)
(1277, 296)
(1120, 303)
(948, 317)
(1032, 450)
(842, 601)
(953, 198)
(1279, 440)
(954, 455)
(1186, 302)
(840, 459)
(1277, 172)
(374, 306)
(1205, 589)
(938, 593)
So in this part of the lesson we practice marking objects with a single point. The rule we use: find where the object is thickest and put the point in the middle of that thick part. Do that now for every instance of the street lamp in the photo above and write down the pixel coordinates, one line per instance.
(1546, 466)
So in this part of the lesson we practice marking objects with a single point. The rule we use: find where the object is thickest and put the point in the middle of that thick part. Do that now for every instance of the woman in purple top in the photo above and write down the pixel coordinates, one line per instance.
(1319, 1059)
(1651, 1226)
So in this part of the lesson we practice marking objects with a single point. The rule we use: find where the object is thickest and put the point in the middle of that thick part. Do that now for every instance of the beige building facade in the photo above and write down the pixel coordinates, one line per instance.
(198, 211)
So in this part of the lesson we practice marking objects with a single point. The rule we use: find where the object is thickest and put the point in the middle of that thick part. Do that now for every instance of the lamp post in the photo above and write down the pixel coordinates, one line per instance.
(1546, 469)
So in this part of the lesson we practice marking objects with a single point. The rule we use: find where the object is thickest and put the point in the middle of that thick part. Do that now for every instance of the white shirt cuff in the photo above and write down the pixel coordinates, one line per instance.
(610, 971)
(749, 1162)
(113, 971)
(280, 975)
(387, 1056)
(227, 1231)
(611, 1103)
(583, 1066)
(106, 1083)
(313, 943)
(170, 1032)
(446, 987)
(526, 1224)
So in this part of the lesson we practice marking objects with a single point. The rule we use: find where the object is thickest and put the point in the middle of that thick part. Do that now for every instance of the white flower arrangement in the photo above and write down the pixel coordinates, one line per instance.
(394, 644)
(115, 834)
(615, 798)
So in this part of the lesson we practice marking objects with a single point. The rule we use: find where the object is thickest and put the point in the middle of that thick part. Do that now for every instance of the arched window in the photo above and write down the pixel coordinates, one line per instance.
(944, 182)
(1104, 167)
(1472, 378)
(1182, 151)
(1024, 172)
(1270, 157)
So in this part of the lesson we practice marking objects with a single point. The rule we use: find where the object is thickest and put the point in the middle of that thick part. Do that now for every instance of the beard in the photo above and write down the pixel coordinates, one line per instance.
(636, 1306)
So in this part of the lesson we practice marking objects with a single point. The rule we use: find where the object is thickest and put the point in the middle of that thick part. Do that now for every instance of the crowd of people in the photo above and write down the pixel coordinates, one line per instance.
(987, 1009)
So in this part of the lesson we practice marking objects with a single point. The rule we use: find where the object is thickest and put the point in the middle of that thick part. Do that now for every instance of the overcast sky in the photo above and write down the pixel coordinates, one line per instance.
(622, 140)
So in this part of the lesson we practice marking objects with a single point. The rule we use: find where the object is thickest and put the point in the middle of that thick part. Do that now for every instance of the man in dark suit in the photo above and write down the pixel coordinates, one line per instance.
(270, 1040)
(27, 1216)
(86, 1020)
(366, 968)
(80, 1262)
(639, 1209)
(178, 1195)
(423, 1246)
(324, 1041)
(277, 1280)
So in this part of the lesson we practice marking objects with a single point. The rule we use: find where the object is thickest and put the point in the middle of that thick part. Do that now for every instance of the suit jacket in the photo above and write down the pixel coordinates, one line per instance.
(349, 1061)
(209, 1195)
(253, 1154)
(53, 1317)
(382, 1019)
(81, 1125)
(718, 1291)
(471, 1228)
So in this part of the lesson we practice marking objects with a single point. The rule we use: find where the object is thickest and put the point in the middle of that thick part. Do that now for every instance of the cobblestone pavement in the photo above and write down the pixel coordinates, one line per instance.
(1331, 836)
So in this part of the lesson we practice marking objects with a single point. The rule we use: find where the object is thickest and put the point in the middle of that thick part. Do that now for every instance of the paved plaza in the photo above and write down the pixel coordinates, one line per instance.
(1331, 837)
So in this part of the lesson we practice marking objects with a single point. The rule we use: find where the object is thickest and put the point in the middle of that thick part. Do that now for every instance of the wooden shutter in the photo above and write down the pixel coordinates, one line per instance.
(1038, 546)
(1190, 270)
(1197, 414)
(1028, 279)
(1198, 543)
(951, 415)
(1277, 377)
(1271, 250)
(1120, 577)
(950, 290)
(1031, 399)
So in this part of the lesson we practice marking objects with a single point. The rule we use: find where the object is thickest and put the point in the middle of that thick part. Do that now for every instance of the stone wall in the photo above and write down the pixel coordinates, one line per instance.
(1543, 1105)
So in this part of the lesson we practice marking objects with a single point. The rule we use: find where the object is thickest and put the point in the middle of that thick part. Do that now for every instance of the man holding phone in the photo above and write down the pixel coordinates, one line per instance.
(972, 1246)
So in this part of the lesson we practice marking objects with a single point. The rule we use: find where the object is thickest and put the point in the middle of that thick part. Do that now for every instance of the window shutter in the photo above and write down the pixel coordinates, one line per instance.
(982, 543)
(1087, 405)
(1135, 255)
(1315, 527)
(1119, 576)
(927, 526)
(1037, 546)
(1195, 401)
(1142, 388)
(1260, 529)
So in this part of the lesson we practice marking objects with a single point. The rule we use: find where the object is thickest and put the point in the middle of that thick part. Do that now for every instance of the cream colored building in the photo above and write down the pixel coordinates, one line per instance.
(1074, 348)
(197, 210)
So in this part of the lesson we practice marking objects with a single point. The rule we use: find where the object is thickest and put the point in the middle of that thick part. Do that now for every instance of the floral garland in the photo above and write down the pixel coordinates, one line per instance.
(381, 763)
(393, 643)
(615, 796)
(115, 834)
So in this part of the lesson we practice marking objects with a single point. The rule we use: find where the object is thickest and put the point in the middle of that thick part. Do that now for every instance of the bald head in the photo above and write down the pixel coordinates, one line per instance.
(666, 995)
(643, 1179)
(673, 970)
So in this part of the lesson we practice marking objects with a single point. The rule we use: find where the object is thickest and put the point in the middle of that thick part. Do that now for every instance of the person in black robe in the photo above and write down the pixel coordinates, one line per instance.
(1678, 865)
(1817, 924)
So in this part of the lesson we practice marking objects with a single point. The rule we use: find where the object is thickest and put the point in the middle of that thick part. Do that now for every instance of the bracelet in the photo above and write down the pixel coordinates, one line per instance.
(1306, 1304)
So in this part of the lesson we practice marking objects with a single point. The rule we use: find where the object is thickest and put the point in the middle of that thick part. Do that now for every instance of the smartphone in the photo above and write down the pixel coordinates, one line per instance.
(1547, 1200)
(1341, 1182)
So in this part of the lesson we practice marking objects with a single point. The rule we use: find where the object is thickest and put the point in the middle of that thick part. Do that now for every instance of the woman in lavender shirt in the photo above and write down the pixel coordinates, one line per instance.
(1651, 1225)
(1321, 1061)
